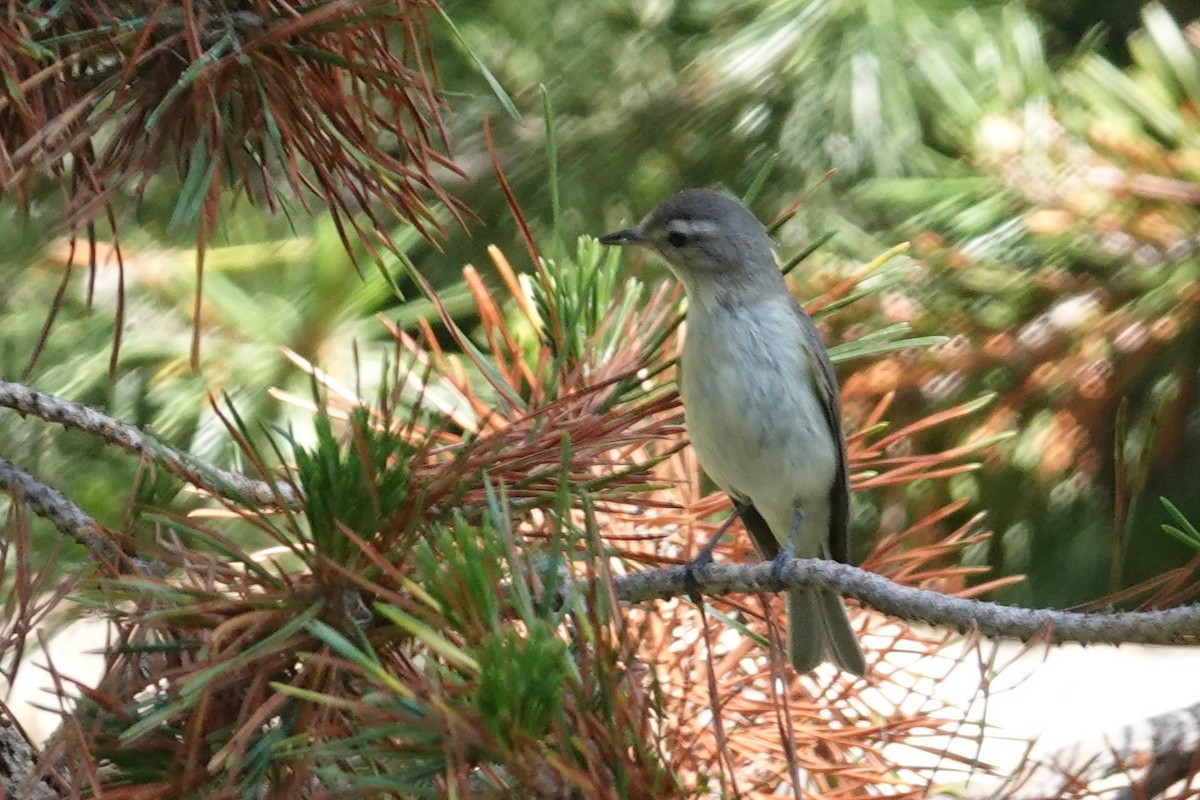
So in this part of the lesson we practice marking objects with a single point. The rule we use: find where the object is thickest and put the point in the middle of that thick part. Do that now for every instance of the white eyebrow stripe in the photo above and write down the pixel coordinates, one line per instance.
(691, 226)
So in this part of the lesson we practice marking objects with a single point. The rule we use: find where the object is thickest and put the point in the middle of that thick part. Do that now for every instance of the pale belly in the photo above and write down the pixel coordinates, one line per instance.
(753, 417)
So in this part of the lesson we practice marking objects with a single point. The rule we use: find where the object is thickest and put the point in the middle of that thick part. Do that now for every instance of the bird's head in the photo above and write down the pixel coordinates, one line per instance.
(703, 235)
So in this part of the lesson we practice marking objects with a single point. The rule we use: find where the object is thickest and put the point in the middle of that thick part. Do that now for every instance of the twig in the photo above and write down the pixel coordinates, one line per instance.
(1172, 626)
(48, 502)
(223, 483)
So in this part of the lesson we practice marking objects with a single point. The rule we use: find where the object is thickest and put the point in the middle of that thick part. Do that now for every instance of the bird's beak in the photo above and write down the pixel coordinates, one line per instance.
(623, 238)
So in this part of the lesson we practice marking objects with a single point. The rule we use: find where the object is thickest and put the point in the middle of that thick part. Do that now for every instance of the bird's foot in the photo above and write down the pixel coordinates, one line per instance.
(702, 560)
(705, 556)
(779, 566)
(691, 581)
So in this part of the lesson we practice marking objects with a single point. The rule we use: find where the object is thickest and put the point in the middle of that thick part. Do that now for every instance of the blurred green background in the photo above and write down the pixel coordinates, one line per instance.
(1042, 157)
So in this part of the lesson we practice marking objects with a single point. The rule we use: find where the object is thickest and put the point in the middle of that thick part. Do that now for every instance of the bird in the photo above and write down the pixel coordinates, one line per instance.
(761, 403)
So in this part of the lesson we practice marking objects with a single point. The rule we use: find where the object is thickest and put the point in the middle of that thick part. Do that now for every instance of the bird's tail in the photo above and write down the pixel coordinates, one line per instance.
(819, 630)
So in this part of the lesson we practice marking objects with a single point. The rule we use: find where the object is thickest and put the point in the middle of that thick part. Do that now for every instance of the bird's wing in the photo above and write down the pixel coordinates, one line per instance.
(831, 405)
(760, 532)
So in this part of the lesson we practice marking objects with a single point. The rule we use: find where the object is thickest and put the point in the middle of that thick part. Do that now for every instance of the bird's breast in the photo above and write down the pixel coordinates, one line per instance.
(753, 414)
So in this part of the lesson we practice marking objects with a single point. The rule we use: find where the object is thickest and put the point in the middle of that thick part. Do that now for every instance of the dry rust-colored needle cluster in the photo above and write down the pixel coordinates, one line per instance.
(317, 105)
(267, 92)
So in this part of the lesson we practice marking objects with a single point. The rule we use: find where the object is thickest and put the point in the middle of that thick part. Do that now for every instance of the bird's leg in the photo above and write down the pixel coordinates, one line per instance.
(705, 556)
(787, 550)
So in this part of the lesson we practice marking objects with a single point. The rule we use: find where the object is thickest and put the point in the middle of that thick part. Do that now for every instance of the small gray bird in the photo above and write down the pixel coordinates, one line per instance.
(760, 400)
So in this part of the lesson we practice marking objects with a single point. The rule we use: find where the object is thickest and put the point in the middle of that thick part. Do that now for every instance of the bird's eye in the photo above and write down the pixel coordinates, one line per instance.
(677, 239)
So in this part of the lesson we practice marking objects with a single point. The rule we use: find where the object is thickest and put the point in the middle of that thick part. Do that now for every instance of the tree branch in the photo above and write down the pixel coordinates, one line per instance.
(17, 763)
(1172, 626)
(48, 502)
(70, 519)
(222, 483)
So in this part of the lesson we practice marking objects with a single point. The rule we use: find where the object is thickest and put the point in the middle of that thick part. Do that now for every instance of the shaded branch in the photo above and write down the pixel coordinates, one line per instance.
(48, 502)
(1172, 626)
(69, 518)
(17, 765)
(222, 483)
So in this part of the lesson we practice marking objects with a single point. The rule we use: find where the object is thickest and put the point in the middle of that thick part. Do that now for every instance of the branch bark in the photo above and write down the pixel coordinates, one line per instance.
(48, 502)
(17, 765)
(222, 483)
(1171, 626)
